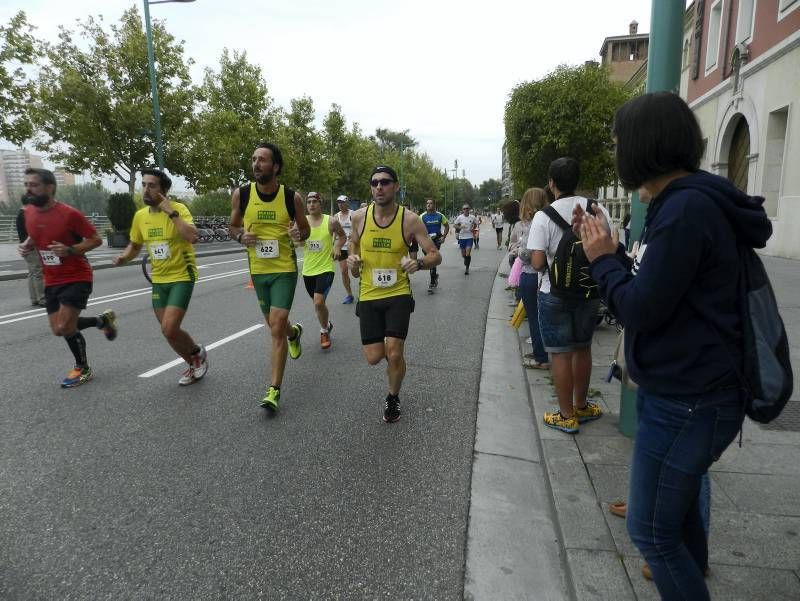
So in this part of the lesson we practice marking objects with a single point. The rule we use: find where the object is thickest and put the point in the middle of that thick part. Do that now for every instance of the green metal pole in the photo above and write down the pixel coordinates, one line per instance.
(663, 73)
(153, 87)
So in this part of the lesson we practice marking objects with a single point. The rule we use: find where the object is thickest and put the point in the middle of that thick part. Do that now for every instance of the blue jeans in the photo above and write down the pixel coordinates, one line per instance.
(677, 441)
(528, 290)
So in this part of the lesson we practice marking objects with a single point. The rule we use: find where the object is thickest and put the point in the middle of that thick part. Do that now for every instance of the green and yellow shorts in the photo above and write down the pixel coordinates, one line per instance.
(174, 294)
(275, 290)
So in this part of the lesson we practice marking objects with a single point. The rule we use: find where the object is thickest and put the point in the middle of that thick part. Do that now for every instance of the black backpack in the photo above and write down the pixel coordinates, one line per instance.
(766, 375)
(569, 271)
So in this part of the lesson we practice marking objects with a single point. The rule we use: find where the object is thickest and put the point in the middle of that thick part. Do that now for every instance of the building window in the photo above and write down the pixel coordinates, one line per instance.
(685, 60)
(712, 40)
(744, 21)
(787, 6)
(773, 161)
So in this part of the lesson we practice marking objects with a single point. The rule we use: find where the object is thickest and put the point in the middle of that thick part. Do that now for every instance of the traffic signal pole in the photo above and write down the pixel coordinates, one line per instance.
(663, 74)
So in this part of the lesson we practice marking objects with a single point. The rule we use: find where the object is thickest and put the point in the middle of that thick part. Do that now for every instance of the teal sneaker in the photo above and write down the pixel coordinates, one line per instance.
(295, 350)
(271, 399)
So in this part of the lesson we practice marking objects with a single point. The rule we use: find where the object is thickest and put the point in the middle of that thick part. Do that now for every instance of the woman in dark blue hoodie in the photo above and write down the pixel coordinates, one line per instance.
(679, 303)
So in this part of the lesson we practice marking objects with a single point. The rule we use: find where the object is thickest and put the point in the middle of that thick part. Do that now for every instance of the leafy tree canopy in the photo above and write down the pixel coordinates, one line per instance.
(94, 107)
(236, 114)
(18, 48)
(567, 113)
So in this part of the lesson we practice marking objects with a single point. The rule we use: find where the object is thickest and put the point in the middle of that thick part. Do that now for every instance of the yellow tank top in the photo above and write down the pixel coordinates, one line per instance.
(381, 250)
(171, 257)
(318, 255)
(274, 251)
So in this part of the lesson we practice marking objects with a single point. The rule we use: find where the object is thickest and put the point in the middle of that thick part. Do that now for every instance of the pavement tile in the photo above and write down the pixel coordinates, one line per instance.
(760, 459)
(728, 583)
(609, 450)
(599, 575)
(743, 538)
(513, 545)
(610, 482)
(762, 494)
(580, 517)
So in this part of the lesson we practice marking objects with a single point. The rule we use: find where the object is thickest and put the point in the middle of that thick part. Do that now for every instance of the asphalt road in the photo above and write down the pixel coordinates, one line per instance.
(131, 487)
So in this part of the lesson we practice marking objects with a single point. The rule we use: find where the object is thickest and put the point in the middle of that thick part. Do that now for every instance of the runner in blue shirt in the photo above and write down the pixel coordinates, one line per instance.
(434, 222)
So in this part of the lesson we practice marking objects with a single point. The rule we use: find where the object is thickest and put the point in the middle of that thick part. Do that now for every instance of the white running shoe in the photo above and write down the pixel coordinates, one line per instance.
(187, 377)
(200, 363)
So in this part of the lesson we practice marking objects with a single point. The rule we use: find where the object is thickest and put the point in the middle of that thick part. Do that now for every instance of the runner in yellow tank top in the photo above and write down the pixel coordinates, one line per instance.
(168, 231)
(320, 253)
(267, 218)
(381, 235)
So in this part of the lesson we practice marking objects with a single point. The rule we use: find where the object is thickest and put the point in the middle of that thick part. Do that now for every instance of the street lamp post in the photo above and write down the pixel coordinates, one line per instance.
(153, 86)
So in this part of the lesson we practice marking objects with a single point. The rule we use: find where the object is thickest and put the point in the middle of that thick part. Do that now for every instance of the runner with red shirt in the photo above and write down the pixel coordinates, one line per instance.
(62, 236)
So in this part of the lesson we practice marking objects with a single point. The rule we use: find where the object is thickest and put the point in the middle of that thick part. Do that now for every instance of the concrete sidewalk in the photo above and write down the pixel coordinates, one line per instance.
(568, 481)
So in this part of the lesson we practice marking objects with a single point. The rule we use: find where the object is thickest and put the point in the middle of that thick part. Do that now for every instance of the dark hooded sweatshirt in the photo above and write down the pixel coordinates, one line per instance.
(680, 310)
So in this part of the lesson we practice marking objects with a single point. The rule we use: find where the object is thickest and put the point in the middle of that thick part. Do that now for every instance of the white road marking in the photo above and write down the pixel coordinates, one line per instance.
(31, 313)
(213, 345)
(220, 263)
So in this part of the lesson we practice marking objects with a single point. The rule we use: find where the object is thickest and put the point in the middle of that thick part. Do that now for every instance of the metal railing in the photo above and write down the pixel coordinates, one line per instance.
(8, 226)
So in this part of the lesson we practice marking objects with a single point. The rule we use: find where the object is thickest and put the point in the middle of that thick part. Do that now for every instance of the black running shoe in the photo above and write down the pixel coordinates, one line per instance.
(391, 409)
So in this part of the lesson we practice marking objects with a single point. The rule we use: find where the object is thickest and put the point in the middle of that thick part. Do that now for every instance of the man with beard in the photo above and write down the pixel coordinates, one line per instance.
(379, 244)
(169, 232)
(268, 219)
(62, 236)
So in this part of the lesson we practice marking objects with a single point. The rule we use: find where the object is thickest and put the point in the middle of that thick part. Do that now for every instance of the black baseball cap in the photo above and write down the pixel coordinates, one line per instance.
(385, 169)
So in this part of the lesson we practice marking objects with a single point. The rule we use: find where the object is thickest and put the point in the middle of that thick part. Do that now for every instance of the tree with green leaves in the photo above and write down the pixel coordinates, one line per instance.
(350, 155)
(490, 192)
(18, 48)
(87, 198)
(236, 114)
(566, 113)
(304, 162)
(216, 203)
(94, 107)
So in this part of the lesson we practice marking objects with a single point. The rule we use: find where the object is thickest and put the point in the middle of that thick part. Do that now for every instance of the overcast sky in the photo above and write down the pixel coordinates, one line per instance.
(442, 69)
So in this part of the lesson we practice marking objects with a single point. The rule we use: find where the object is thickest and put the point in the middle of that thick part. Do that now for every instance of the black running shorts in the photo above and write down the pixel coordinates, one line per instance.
(318, 284)
(385, 317)
(75, 294)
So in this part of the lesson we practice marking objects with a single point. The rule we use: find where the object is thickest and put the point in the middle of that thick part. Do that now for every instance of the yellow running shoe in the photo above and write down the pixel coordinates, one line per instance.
(295, 350)
(559, 422)
(271, 399)
(588, 413)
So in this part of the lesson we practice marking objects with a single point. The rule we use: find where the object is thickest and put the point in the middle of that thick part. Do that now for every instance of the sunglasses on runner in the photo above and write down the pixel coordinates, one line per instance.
(380, 182)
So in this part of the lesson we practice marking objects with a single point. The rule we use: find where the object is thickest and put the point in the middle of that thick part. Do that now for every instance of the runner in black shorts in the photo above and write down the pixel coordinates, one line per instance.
(62, 236)
(379, 245)
(434, 222)
(320, 253)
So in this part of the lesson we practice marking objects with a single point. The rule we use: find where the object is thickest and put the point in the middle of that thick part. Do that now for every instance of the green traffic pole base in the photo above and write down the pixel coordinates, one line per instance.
(627, 411)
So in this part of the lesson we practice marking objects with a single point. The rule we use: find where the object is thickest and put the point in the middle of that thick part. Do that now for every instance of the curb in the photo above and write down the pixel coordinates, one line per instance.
(594, 565)
(22, 275)
(514, 543)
